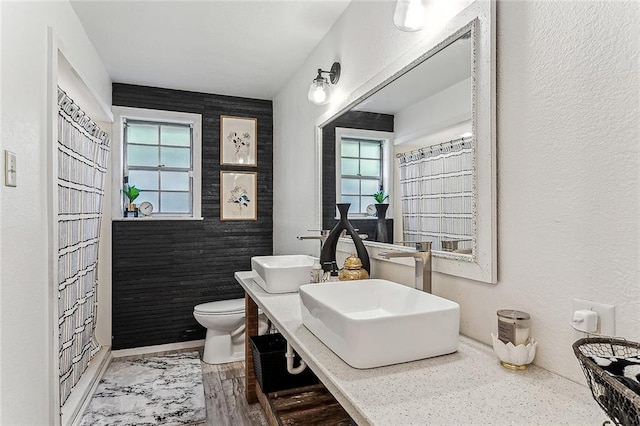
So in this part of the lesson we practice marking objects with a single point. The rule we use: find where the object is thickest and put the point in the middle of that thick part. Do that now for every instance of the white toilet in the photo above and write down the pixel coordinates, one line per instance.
(224, 321)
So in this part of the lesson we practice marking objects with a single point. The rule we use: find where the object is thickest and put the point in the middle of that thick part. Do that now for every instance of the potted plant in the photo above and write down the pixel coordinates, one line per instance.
(381, 234)
(379, 196)
(131, 192)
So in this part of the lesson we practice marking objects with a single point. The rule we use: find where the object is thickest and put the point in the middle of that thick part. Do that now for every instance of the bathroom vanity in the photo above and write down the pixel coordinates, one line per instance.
(466, 387)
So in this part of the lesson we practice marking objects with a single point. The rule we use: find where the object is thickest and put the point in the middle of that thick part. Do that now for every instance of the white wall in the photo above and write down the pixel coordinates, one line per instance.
(26, 375)
(568, 161)
(104, 329)
(433, 114)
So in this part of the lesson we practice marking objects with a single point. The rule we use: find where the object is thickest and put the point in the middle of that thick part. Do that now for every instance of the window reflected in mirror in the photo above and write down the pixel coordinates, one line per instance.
(363, 163)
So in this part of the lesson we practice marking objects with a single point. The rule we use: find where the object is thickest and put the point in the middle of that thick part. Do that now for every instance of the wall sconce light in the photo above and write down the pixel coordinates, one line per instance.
(410, 15)
(320, 91)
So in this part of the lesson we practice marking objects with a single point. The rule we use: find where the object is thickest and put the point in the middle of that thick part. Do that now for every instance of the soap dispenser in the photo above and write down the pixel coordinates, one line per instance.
(316, 273)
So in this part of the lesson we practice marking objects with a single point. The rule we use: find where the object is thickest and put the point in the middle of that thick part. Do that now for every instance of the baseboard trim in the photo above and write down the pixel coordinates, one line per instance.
(76, 404)
(143, 350)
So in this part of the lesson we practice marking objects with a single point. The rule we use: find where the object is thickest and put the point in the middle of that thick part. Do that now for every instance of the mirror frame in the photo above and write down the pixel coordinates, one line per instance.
(479, 18)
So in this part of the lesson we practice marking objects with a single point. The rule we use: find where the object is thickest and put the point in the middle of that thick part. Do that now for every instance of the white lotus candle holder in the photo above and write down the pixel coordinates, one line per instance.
(514, 357)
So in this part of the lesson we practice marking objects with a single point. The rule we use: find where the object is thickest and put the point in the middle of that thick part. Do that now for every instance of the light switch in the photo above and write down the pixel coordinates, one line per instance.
(10, 169)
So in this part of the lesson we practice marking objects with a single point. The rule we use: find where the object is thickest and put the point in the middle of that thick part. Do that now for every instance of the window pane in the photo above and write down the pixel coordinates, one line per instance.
(175, 135)
(363, 204)
(175, 157)
(350, 186)
(175, 202)
(370, 149)
(143, 179)
(370, 167)
(176, 181)
(370, 186)
(140, 155)
(350, 167)
(365, 201)
(150, 196)
(355, 203)
(142, 133)
(349, 148)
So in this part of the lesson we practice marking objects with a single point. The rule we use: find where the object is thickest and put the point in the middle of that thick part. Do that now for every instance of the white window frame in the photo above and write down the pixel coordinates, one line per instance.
(387, 163)
(120, 114)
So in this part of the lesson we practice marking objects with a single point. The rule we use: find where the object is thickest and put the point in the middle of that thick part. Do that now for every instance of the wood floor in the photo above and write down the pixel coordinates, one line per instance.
(224, 397)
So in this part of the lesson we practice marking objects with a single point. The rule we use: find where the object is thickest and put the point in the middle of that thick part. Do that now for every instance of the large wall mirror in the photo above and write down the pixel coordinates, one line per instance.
(424, 131)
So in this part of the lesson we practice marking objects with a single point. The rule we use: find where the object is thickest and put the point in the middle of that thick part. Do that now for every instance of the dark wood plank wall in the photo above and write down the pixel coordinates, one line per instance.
(162, 269)
(351, 120)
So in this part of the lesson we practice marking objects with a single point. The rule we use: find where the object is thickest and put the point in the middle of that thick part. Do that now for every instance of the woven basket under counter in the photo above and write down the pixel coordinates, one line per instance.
(621, 404)
(270, 365)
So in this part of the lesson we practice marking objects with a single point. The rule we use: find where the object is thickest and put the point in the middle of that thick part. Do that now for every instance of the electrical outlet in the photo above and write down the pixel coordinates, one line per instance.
(606, 315)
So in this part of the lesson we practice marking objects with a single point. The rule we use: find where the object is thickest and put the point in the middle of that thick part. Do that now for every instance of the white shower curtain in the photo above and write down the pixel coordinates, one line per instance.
(82, 152)
(437, 194)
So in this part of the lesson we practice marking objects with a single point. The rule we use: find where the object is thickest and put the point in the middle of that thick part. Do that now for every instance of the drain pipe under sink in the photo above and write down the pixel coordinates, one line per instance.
(297, 370)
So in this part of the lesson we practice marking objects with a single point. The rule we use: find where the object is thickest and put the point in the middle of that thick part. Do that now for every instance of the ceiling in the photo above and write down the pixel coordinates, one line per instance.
(229, 47)
(447, 67)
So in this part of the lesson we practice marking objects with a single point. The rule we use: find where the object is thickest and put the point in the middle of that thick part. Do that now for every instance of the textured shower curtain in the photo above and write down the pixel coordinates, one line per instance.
(82, 150)
(437, 194)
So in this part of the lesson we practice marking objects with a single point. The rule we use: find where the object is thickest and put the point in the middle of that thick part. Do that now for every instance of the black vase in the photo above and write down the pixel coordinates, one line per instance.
(328, 254)
(382, 236)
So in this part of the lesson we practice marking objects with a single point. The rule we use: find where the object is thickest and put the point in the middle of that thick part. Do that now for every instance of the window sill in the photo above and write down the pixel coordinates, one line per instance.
(364, 217)
(152, 218)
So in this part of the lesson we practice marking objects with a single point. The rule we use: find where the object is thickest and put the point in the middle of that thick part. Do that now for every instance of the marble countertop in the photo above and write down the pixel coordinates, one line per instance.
(468, 387)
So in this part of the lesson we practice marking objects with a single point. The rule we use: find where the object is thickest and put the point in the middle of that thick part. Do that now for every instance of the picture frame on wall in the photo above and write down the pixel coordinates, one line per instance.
(238, 141)
(238, 196)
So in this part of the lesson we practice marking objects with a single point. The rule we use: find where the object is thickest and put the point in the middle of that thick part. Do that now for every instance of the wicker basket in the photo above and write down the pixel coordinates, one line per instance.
(621, 404)
(270, 365)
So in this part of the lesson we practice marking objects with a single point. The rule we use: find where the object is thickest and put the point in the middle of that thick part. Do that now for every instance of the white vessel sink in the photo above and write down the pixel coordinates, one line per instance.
(281, 274)
(372, 323)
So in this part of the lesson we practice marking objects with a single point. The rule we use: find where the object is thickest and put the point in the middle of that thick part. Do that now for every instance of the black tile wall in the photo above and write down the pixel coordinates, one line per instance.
(351, 120)
(162, 269)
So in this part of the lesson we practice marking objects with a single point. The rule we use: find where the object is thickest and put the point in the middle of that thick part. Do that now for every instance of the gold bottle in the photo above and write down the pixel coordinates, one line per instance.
(352, 269)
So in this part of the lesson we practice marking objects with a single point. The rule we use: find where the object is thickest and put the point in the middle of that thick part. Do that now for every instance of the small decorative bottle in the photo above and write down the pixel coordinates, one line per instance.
(352, 269)
(316, 273)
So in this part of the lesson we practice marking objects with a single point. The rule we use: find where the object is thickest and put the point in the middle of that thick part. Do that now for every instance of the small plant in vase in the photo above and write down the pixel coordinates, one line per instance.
(131, 192)
(381, 234)
(380, 197)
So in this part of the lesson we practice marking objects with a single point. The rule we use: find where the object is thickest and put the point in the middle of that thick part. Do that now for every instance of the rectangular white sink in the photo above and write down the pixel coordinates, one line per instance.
(282, 274)
(373, 323)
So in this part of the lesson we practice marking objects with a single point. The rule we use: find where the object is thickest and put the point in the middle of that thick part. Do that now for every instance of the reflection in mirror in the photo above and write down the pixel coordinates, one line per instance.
(422, 122)
(437, 199)
(437, 103)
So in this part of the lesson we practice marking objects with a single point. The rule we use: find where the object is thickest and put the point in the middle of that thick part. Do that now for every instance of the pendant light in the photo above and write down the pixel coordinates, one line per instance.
(410, 15)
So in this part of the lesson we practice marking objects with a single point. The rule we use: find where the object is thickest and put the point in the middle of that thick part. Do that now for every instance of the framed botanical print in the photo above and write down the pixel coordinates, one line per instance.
(238, 141)
(238, 193)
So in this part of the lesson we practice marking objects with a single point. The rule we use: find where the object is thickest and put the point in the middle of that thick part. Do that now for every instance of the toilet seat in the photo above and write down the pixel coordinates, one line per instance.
(221, 307)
